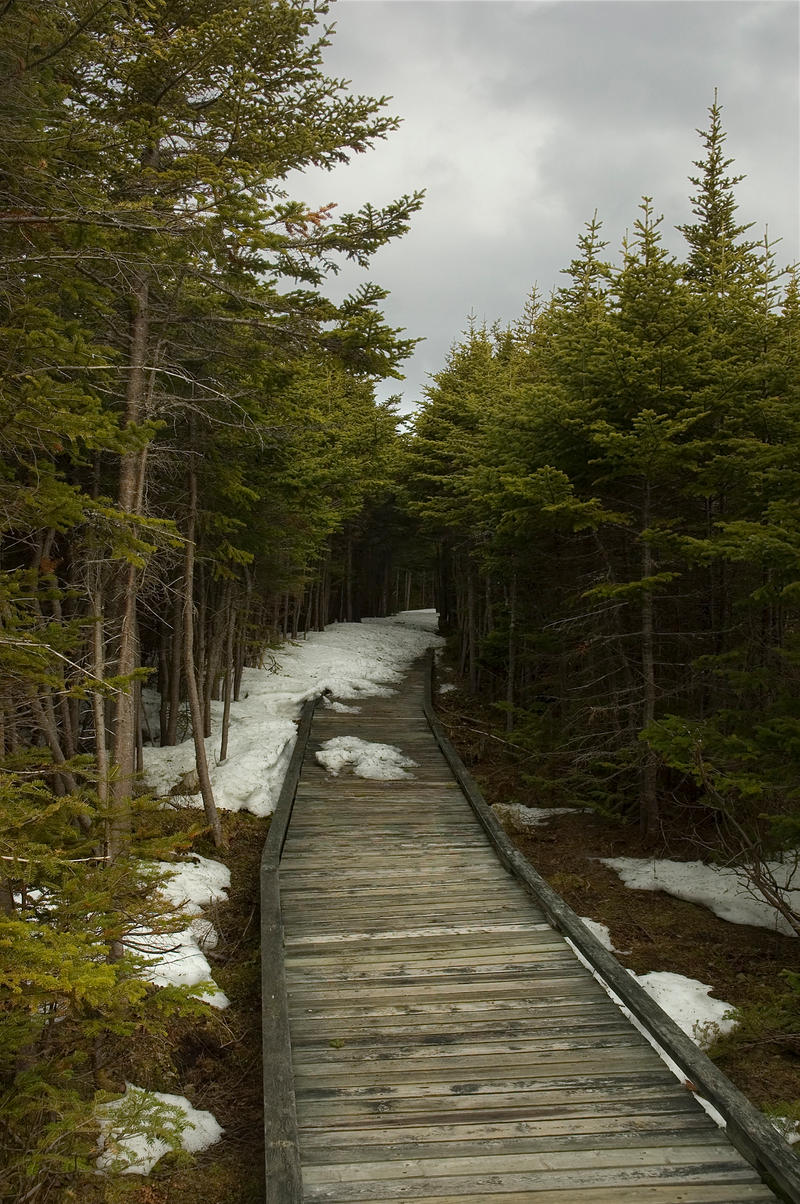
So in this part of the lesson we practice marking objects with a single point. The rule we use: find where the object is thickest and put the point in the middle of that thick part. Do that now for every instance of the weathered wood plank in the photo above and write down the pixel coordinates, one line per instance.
(319, 1144)
(657, 1158)
(448, 1051)
(485, 1187)
(446, 1044)
(699, 1193)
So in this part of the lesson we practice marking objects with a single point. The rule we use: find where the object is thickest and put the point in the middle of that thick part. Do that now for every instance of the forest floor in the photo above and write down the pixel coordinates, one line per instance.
(216, 1065)
(742, 963)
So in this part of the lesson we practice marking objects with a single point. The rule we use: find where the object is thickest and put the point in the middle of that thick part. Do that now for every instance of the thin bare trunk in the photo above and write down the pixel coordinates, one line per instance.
(139, 713)
(241, 649)
(201, 631)
(195, 704)
(98, 699)
(45, 720)
(349, 579)
(131, 476)
(512, 653)
(649, 797)
(471, 631)
(163, 684)
(175, 666)
(215, 646)
(229, 675)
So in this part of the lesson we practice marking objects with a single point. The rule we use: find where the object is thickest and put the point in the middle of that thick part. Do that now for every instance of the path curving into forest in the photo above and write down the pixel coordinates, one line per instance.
(446, 1042)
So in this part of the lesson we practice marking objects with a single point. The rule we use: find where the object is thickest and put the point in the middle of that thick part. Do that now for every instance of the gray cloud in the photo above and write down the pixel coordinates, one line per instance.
(521, 118)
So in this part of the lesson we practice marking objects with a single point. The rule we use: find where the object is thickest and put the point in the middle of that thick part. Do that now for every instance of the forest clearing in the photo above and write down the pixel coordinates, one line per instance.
(212, 513)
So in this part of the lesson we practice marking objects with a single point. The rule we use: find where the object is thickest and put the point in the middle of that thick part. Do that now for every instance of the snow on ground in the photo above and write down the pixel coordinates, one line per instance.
(687, 1001)
(351, 660)
(601, 932)
(379, 762)
(340, 708)
(684, 999)
(788, 1128)
(445, 688)
(177, 958)
(196, 883)
(719, 888)
(124, 1122)
(528, 817)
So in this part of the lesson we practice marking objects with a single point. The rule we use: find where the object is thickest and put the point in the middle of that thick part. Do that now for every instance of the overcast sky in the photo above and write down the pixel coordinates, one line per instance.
(521, 117)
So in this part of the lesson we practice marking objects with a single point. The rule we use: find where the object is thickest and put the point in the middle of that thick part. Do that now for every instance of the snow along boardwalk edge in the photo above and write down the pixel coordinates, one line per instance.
(428, 1035)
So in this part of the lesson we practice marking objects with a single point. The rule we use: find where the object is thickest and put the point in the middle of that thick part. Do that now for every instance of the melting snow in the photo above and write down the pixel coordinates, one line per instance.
(684, 999)
(124, 1145)
(379, 762)
(687, 1001)
(724, 891)
(177, 958)
(601, 932)
(351, 660)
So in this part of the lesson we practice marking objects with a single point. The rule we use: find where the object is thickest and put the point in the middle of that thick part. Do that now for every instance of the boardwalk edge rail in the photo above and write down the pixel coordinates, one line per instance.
(747, 1128)
(284, 1183)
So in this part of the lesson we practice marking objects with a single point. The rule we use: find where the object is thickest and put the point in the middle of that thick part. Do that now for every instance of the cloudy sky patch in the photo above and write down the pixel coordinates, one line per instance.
(520, 118)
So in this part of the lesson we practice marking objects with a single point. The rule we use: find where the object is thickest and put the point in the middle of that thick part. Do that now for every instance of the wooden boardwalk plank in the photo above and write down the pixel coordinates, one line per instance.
(447, 1043)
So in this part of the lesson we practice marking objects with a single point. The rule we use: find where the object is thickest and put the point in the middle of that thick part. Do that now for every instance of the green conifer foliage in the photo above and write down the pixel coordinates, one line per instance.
(626, 490)
(188, 439)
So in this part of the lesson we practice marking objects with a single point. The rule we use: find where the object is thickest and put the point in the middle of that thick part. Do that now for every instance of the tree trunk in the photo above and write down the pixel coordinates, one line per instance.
(203, 649)
(649, 797)
(175, 667)
(215, 646)
(131, 475)
(139, 721)
(195, 704)
(163, 684)
(512, 653)
(349, 579)
(44, 715)
(98, 662)
(229, 675)
(472, 658)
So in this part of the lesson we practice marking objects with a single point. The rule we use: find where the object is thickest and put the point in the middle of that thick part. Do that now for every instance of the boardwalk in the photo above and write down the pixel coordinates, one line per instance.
(447, 1044)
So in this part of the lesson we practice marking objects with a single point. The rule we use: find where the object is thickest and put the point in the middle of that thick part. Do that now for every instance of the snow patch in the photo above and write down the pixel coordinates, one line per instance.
(178, 958)
(340, 708)
(601, 932)
(445, 687)
(722, 890)
(195, 884)
(687, 1001)
(347, 660)
(787, 1128)
(123, 1123)
(378, 762)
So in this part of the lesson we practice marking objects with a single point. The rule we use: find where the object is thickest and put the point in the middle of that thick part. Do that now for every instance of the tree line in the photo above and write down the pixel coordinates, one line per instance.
(611, 485)
(192, 461)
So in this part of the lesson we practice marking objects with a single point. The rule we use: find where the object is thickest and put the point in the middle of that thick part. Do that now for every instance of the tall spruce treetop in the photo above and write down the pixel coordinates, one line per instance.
(717, 257)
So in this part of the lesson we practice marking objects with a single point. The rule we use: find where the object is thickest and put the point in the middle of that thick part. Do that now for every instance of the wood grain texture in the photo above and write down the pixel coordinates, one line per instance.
(447, 1044)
